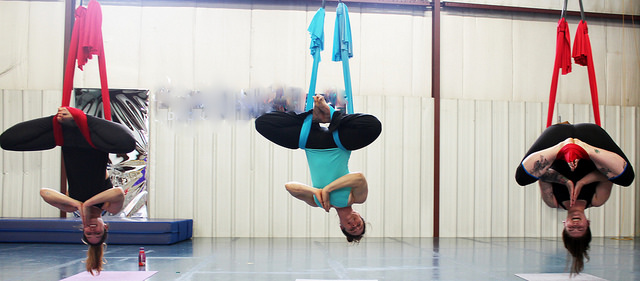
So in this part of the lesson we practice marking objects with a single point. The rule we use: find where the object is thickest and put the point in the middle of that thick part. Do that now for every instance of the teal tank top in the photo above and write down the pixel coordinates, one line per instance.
(325, 166)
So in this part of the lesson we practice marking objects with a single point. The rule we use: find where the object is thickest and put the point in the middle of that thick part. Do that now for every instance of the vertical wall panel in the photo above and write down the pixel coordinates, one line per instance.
(533, 204)
(243, 174)
(452, 60)
(171, 61)
(51, 159)
(154, 115)
(465, 142)
(563, 112)
(203, 173)
(223, 180)
(123, 60)
(32, 170)
(14, 27)
(382, 31)
(516, 147)
(628, 194)
(272, 60)
(374, 208)
(411, 147)
(483, 165)
(163, 203)
(393, 185)
(611, 123)
(583, 113)
(183, 186)
(13, 162)
(448, 167)
(222, 41)
(489, 76)
(263, 187)
(501, 172)
(45, 30)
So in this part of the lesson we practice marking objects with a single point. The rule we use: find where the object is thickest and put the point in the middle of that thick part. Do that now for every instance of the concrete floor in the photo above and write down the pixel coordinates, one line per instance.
(329, 259)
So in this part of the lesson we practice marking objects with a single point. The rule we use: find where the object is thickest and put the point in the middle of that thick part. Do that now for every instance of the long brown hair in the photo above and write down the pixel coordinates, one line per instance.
(95, 253)
(578, 248)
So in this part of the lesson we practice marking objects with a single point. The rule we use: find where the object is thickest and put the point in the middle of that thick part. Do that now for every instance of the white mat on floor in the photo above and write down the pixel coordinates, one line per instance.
(112, 276)
(557, 277)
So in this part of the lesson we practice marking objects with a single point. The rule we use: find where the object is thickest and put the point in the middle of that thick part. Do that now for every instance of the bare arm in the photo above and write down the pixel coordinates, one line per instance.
(59, 200)
(537, 163)
(552, 176)
(112, 198)
(357, 182)
(303, 192)
(546, 191)
(608, 163)
(603, 189)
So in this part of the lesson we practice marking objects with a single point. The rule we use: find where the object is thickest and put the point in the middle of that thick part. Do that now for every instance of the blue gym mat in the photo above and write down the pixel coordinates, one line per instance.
(121, 230)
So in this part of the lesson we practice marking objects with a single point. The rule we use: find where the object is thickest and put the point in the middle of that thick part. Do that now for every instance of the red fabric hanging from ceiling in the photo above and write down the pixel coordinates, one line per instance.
(582, 56)
(562, 60)
(86, 41)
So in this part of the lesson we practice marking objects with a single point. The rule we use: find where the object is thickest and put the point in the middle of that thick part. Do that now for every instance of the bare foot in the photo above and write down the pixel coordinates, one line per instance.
(64, 116)
(321, 110)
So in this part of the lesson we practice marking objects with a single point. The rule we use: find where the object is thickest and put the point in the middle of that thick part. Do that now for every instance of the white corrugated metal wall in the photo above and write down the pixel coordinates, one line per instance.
(229, 179)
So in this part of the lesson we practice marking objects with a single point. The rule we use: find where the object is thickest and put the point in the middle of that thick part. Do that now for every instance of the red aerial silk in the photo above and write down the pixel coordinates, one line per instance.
(571, 152)
(81, 121)
(563, 60)
(582, 56)
(86, 41)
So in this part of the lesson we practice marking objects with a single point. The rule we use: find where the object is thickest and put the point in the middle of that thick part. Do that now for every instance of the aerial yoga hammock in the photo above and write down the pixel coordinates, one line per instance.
(328, 149)
(575, 165)
(86, 141)
(582, 56)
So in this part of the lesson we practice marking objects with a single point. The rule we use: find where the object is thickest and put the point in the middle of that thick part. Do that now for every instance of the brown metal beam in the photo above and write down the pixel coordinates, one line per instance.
(435, 93)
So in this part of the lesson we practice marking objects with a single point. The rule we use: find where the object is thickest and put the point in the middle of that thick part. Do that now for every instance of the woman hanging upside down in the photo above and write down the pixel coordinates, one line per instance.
(333, 184)
(86, 143)
(576, 167)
